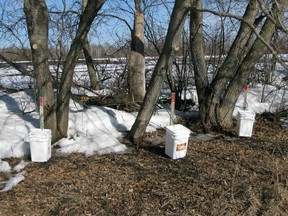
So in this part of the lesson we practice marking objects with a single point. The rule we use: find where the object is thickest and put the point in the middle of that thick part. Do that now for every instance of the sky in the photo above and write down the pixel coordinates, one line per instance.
(95, 129)
(109, 30)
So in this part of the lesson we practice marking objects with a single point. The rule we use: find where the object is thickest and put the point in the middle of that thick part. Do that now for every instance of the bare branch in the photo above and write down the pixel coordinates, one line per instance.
(18, 67)
(119, 18)
(277, 22)
(240, 18)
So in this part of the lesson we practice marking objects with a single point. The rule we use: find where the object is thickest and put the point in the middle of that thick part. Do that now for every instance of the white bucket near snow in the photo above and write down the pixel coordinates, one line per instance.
(177, 137)
(40, 145)
(245, 123)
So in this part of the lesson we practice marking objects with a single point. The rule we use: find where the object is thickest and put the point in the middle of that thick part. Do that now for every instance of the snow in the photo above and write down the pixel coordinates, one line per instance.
(273, 99)
(13, 181)
(94, 129)
(4, 166)
(20, 166)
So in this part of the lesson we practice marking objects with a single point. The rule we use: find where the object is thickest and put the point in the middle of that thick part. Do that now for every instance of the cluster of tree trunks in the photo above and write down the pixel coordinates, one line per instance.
(56, 115)
(216, 97)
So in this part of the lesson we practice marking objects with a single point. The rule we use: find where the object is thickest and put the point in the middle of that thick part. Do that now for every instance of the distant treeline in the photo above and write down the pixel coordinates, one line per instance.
(97, 51)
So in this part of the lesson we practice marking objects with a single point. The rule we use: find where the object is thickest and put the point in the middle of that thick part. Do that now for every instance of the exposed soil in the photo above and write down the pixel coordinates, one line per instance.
(225, 176)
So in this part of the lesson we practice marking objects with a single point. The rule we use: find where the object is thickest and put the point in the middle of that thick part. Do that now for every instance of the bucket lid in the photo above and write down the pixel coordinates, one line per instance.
(246, 113)
(39, 131)
(178, 129)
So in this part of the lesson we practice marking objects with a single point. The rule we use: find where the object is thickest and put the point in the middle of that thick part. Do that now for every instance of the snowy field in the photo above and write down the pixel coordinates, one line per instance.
(93, 130)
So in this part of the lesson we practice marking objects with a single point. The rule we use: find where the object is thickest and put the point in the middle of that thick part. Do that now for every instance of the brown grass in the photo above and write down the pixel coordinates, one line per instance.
(225, 176)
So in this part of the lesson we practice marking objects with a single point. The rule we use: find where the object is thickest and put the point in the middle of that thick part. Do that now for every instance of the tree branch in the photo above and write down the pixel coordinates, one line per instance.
(16, 66)
(240, 18)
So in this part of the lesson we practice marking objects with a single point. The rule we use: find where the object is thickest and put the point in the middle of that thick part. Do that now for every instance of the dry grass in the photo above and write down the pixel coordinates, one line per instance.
(225, 176)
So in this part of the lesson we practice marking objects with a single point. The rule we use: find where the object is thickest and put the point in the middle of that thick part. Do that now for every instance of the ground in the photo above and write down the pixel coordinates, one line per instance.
(224, 176)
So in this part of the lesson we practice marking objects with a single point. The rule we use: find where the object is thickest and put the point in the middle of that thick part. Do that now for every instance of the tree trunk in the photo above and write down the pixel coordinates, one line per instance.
(89, 60)
(198, 57)
(209, 94)
(257, 50)
(217, 99)
(137, 58)
(86, 20)
(90, 66)
(176, 48)
(137, 131)
(37, 19)
(215, 115)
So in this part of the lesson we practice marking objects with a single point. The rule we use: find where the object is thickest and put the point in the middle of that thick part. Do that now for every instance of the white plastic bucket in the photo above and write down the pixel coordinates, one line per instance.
(177, 137)
(40, 145)
(245, 123)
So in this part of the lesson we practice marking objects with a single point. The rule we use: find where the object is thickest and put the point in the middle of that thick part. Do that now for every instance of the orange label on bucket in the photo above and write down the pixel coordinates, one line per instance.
(181, 147)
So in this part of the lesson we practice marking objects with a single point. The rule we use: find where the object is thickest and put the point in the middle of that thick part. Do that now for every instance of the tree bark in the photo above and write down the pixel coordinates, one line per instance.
(135, 135)
(217, 99)
(89, 60)
(137, 57)
(86, 20)
(215, 115)
(257, 50)
(209, 94)
(198, 56)
(90, 66)
(37, 19)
